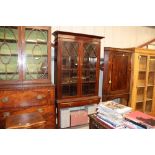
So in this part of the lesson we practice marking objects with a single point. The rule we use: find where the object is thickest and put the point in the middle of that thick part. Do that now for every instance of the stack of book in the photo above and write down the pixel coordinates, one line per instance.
(141, 119)
(112, 113)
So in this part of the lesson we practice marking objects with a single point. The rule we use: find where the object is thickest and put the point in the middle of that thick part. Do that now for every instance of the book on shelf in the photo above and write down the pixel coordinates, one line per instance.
(141, 119)
(114, 107)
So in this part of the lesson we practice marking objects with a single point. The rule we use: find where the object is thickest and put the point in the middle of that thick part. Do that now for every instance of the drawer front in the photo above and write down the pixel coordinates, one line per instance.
(78, 103)
(26, 98)
(48, 112)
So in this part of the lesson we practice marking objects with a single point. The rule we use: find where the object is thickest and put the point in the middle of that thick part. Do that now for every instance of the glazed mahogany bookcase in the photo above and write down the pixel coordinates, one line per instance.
(25, 72)
(77, 63)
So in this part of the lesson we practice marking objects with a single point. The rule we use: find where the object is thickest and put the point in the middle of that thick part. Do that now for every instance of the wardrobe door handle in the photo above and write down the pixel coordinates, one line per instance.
(5, 99)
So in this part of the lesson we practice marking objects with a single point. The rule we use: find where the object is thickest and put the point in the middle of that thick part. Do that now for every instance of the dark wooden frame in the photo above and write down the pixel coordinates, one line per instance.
(79, 100)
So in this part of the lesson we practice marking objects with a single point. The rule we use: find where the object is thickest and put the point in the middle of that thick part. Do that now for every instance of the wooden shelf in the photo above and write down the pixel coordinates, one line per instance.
(8, 40)
(152, 71)
(9, 54)
(93, 69)
(36, 55)
(88, 81)
(140, 86)
(68, 83)
(36, 42)
(142, 70)
(36, 73)
(4, 73)
(149, 99)
(71, 69)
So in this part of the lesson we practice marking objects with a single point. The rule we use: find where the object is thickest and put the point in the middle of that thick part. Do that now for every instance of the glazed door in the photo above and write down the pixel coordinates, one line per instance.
(10, 63)
(90, 68)
(36, 54)
(68, 64)
(145, 90)
(119, 73)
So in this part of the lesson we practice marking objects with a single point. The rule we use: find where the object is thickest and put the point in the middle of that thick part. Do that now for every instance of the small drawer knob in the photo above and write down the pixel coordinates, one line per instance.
(5, 99)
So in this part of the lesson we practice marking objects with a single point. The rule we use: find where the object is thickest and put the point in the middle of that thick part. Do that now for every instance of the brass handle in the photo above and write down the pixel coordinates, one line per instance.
(40, 110)
(6, 114)
(5, 99)
(110, 82)
(39, 97)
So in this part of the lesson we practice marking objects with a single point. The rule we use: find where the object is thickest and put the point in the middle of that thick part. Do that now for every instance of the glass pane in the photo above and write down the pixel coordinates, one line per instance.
(69, 90)
(89, 68)
(148, 107)
(70, 55)
(151, 79)
(149, 93)
(36, 54)
(152, 64)
(142, 63)
(140, 94)
(69, 75)
(139, 106)
(88, 88)
(9, 53)
(34, 35)
(141, 79)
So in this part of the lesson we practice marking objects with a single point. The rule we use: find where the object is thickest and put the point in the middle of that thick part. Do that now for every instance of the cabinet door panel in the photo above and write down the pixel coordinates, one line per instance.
(9, 54)
(69, 68)
(89, 68)
(119, 74)
(36, 54)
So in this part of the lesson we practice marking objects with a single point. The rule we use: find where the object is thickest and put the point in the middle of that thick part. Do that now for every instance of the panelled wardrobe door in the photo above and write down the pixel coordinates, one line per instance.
(10, 56)
(117, 70)
(36, 54)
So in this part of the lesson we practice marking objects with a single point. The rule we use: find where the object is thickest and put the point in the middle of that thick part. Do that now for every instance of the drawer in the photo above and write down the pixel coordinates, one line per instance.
(48, 112)
(26, 98)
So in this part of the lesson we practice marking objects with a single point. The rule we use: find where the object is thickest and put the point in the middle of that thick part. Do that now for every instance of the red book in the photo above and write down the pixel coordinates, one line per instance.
(141, 119)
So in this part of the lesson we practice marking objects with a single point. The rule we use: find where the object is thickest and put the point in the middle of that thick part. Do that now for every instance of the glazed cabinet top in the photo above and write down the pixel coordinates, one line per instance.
(25, 54)
(77, 64)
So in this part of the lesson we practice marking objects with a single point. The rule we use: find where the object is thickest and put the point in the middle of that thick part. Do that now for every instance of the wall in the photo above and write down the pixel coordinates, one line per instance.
(115, 36)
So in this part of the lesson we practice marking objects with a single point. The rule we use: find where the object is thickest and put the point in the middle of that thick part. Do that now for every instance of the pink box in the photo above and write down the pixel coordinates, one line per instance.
(79, 117)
